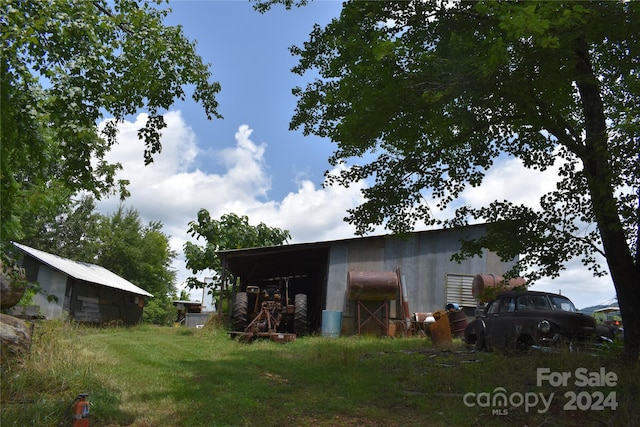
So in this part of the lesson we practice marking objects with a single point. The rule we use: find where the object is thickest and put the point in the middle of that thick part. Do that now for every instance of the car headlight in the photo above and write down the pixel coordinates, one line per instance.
(544, 326)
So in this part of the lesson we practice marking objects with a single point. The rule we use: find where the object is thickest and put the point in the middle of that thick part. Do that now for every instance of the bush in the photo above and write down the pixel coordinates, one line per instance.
(159, 311)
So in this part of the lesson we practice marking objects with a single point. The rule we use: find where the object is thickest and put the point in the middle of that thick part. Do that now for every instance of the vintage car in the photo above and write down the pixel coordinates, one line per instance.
(610, 320)
(530, 319)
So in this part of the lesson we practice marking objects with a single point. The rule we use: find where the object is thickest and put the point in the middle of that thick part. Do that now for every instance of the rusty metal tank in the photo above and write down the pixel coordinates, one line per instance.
(458, 323)
(483, 281)
(372, 285)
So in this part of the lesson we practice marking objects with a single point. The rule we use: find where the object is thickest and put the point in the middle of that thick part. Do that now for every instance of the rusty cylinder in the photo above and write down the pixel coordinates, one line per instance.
(458, 323)
(372, 285)
(482, 281)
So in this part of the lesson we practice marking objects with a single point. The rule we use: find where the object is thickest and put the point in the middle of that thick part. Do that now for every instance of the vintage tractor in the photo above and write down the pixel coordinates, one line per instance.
(266, 312)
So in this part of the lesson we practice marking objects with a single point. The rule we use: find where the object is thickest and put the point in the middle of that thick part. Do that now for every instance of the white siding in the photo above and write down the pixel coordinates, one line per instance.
(51, 300)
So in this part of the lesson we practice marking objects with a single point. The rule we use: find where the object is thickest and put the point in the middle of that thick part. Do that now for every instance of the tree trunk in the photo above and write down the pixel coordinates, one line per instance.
(629, 301)
(598, 173)
(624, 271)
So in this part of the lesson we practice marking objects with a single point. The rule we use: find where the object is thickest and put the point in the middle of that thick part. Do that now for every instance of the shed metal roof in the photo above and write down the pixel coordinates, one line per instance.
(296, 258)
(277, 261)
(84, 271)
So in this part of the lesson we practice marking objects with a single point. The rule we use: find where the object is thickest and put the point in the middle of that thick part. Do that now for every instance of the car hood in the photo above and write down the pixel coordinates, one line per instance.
(569, 321)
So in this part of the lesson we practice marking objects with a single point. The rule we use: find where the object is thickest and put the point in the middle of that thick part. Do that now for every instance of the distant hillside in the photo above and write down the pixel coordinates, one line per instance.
(613, 302)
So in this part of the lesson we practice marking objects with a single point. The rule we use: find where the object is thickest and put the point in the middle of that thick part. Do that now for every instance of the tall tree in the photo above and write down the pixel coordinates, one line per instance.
(67, 64)
(69, 230)
(434, 92)
(140, 254)
(229, 232)
(156, 271)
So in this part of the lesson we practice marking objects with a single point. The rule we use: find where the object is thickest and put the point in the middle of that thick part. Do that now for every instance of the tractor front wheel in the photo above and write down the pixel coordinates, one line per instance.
(240, 309)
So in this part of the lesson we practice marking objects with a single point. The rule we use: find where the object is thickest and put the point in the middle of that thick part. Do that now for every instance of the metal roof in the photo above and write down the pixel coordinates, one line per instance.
(296, 258)
(607, 309)
(277, 261)
(84, 271)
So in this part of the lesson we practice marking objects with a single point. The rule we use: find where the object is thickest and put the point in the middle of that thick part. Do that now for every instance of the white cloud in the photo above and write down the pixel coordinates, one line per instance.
(245, 166)
(312, 214)
(510, 180)
(578, 283)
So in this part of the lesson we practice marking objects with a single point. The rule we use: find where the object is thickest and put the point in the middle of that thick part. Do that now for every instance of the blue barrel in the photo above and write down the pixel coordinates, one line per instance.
(331, 323)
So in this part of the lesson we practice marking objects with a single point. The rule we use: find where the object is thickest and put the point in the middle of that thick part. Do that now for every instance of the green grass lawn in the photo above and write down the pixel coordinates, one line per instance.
(149, 376)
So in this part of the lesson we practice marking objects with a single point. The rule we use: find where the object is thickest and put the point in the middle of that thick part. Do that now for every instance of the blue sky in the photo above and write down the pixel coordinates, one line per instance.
(249, 56)
(251, 164)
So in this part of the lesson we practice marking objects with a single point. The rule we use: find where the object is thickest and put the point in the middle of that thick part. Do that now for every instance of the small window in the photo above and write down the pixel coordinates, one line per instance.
(493, 308)
(524, 304)
(562, 303)
(508, 305)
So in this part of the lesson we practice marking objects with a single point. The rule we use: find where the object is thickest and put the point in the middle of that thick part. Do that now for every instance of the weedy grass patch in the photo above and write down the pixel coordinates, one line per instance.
(150, 376)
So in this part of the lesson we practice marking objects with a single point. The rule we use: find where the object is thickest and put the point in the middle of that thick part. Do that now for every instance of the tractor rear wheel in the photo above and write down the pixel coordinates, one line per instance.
(240, 308)
(300, 322)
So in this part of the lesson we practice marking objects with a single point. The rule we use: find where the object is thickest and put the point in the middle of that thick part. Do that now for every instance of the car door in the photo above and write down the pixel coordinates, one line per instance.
(500, 326)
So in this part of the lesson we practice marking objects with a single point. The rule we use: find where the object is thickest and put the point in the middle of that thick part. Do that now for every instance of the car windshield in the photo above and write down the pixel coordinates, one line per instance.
(562, 303)
(533, 302)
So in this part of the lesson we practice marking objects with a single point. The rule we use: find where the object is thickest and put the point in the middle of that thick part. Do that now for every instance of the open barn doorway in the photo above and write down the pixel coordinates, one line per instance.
(291, 269)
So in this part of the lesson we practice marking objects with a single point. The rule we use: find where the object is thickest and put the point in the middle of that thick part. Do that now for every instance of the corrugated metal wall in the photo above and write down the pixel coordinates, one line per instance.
(424, 260)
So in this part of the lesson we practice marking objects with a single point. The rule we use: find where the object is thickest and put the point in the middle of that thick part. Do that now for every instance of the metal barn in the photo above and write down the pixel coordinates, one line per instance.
(321, 270)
